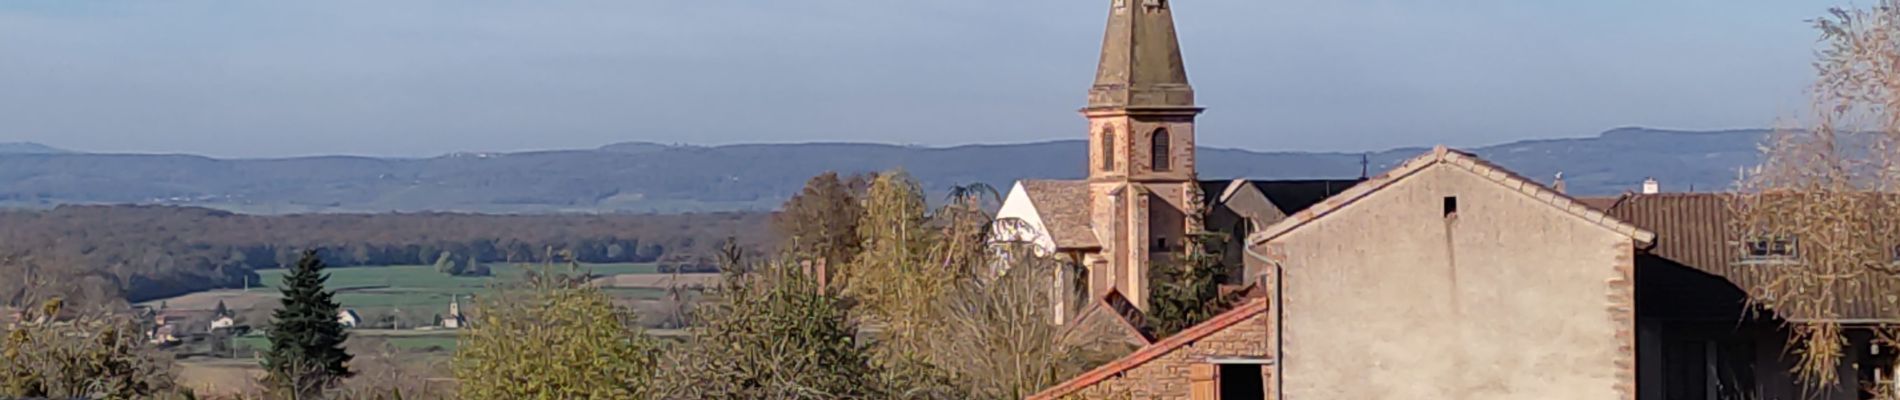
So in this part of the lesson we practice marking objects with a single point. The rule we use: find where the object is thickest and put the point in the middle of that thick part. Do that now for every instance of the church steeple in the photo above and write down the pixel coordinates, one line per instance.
(1141, 109)
(1142, 180)
(1141, 59)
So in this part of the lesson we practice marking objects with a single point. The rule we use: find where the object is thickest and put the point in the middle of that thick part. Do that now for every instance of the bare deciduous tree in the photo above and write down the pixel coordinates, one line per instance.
(1822, 206)
(89, 356)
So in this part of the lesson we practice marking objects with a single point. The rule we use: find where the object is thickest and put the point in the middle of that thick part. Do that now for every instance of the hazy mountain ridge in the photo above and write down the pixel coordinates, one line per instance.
(29, 148)
(648, 177)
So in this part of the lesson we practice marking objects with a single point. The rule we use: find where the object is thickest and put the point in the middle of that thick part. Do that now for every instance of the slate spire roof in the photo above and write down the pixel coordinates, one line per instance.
(1141, 59)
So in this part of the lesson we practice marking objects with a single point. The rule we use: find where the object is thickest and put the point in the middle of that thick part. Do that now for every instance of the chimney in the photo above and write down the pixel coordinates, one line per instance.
(824, 276)
(1650, 186)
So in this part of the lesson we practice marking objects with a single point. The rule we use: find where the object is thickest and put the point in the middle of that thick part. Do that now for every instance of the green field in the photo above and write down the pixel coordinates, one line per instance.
(421, 291)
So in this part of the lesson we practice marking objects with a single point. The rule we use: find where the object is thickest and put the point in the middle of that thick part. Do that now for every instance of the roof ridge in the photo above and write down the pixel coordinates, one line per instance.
(1471, 163)
(1101, 304)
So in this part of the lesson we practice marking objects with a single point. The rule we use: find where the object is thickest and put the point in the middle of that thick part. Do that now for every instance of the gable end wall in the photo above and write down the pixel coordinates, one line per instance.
(1387, 298)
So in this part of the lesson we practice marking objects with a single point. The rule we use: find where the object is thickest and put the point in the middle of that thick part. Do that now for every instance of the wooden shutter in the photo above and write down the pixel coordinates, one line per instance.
(1204, 382)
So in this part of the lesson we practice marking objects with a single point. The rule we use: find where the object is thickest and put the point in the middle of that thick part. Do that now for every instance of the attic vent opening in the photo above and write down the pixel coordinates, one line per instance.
(1451, 206)
(1772, 247)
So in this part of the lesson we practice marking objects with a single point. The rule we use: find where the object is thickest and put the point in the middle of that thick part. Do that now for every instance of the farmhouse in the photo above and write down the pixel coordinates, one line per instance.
(1446, 277)
(223, 322)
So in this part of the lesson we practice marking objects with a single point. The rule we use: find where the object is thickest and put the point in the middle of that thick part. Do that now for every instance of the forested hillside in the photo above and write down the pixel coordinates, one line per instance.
(98, 254)
(645, 177)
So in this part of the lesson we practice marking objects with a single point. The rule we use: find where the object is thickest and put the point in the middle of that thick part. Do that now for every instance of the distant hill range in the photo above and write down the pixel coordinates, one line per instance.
(647, 177)
(29, 148)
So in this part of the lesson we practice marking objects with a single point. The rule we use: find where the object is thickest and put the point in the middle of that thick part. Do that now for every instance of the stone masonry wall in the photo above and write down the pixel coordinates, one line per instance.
(1166, 377)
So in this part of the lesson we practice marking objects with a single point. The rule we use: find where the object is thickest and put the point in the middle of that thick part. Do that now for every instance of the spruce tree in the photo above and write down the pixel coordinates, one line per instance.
(306, 354)
(1186, 290)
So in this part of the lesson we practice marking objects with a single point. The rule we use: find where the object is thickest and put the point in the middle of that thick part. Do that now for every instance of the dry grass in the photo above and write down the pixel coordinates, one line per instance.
(220, 378)
(657, 281)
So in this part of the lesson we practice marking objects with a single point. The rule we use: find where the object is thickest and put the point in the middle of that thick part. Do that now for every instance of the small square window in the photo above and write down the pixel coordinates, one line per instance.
(1451, 206)
(1161, 245)
(1772, 247)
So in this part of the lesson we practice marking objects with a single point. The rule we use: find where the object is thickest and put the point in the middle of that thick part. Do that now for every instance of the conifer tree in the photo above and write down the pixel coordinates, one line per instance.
(1187, 289)
(306, 355)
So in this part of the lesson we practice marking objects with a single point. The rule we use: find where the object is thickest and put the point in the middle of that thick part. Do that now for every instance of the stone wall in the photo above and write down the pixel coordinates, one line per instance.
(1166, 377)
(1448, 285)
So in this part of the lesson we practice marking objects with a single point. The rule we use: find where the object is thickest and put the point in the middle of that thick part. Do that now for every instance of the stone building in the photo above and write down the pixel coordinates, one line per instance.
(1228, 357)
(1696, 335)
(1449, 277)
(1446, 277)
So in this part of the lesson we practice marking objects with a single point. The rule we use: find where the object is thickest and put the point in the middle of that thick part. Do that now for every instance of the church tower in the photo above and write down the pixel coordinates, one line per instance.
(1141, 148)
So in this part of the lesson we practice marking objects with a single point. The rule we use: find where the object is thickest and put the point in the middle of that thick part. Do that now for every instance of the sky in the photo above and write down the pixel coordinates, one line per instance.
(426, 77)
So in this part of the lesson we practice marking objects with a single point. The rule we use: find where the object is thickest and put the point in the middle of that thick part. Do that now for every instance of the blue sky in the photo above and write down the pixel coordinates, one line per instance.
(417, 78)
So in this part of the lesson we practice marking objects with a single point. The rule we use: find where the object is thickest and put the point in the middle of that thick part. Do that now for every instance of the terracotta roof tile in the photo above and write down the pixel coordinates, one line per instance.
(1186, 337)
(1116, 311)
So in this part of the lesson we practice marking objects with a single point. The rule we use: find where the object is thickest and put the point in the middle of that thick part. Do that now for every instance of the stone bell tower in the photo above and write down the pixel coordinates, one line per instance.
(1141, 148)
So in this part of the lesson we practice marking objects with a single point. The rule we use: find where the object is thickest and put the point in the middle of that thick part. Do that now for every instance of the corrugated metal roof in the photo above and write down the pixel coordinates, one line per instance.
(1696, 230)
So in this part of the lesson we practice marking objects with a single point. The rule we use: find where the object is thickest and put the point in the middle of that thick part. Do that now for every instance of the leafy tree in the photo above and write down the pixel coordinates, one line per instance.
(1005, 343)
(892, 277)
(306, 355)
(474, 267)
(774, 334)
(1187, 290)
(932, 275)
(551, 337)
(822, 220)
(91, 356)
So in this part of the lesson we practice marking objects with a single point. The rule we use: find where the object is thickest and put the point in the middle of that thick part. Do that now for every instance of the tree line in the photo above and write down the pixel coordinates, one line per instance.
(961, 316)
(105, 254)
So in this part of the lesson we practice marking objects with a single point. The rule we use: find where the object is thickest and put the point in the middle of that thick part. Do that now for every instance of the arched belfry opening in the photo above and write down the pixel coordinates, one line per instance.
(1160, 152)
(1108, 149)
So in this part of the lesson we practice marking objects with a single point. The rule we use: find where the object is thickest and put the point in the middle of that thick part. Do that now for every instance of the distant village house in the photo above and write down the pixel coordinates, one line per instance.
(348, 318)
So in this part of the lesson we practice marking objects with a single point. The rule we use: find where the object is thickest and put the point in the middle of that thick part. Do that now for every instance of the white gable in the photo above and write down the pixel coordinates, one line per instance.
(1032, 229)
